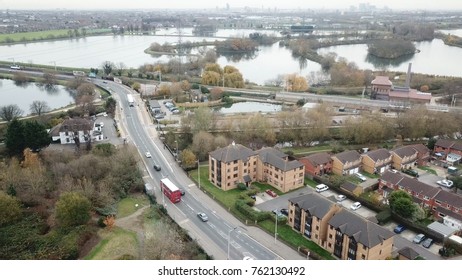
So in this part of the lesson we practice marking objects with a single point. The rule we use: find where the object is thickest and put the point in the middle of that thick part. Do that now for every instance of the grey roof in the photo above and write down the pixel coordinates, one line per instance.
(278, 159)
(408, 253)
(449, 213)
(348, 156)
(232, 152)
(444, 143)
(319, 158)
(404, 151)
(380, 154)
(441, 229)
(349, 186)
(363, 231)
(450, 198)
(420, 148)
(418, 187)
(391, 177)
(76, 124)
(315, 204)
(154, 104)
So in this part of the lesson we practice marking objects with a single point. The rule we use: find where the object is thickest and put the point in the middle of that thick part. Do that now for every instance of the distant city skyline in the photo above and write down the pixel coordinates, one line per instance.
(209, 4)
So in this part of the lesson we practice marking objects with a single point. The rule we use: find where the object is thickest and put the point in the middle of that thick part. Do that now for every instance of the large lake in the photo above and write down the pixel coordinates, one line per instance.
(269, 62)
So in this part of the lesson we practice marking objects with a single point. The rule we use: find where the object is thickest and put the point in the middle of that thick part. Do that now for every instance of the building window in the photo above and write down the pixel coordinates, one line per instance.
(317, 227)
(235, 176)
(363, 257)
(364, 247)
(329, 244)
(235, 162)
(330, 237)
(316, 236)
(245, 163)
(301, 174)
(235, 168)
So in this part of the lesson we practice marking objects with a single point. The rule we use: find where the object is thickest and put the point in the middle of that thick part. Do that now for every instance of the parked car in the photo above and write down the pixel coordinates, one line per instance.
(411, 172)
(445, 183)
(285, 212)
(418, 238)
(202, 216)
(321, 188)
(254, 197)
(356, 206)
(340, 197)
(157, 167)
(399, 228)
(271, 193)
(427, 242)
(361, 177)
(148, 154)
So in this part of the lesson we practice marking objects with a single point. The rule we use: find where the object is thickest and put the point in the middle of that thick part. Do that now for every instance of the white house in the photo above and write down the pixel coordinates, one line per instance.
(77, 128)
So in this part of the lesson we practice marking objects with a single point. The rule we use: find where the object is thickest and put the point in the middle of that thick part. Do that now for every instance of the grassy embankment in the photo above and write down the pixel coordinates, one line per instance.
(24, 37)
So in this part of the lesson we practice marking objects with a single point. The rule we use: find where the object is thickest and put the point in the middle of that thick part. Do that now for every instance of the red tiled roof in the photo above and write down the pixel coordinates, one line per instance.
(382, 80)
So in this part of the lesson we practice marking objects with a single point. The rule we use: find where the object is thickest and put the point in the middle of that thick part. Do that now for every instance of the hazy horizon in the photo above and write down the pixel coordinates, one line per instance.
(452, 5)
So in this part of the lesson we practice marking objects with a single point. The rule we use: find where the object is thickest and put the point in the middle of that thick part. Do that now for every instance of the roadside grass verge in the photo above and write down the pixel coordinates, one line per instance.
(114, 245)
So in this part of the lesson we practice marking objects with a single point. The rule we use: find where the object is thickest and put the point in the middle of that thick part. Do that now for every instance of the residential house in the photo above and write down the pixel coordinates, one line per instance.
(404, 157)
(236, 164)
(449, 150)
(309, 214)
(317, 164)
(443, 204)
(346, 163)
(232, 165)
(275, 168)
(74, 130)
(423, 154)
(376, 161)
(351, 237)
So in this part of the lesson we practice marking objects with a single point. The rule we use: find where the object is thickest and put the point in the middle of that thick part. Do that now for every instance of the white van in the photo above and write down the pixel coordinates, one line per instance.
(321, 188)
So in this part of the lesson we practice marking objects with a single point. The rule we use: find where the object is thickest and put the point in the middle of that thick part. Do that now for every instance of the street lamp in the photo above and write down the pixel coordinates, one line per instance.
(199, 173)
(229, 236)
(176, 152)
(276, 226)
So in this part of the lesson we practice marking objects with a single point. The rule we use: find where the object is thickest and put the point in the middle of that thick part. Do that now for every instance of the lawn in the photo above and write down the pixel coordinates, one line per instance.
(308, 150)
(114, 244)
(127, 206)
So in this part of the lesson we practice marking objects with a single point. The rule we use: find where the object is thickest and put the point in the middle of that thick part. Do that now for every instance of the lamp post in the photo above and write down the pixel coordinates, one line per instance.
(276, 226)
(199, 173)
(229, 237)
(176, 152)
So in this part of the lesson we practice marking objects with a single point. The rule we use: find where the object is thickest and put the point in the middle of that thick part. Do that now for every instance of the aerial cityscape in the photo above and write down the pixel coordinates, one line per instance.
(227, 131)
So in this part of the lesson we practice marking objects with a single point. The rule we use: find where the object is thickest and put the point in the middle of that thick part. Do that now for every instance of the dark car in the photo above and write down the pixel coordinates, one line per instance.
(285, 212)
(411, 172)
(399, 229)
(157, 167)
(427, 242)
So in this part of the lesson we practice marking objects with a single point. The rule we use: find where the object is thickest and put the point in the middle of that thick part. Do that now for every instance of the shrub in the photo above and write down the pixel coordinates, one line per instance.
(384, 216)
(101, 222)
(204, 90)
(248, 211)
(242, 186)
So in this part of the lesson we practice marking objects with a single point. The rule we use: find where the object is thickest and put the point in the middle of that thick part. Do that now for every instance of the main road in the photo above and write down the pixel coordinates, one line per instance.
(218, 231)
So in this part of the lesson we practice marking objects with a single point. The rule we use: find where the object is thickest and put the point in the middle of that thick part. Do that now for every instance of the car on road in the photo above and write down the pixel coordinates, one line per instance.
(340, 197)
(247, 258)
(399, 228)
(271, 193)
(445, 183)
(356, 206)
(361, 177)
(418, 238)
(202, 216)
(427, 242)
(148, 154)
(411, 172)
(157, 167)
(321, 188)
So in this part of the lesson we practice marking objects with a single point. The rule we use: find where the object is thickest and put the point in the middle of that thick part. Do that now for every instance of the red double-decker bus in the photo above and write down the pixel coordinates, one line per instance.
(170, 190)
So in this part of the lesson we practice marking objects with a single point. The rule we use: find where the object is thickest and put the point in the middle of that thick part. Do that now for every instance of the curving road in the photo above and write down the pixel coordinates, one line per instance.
(213, 233)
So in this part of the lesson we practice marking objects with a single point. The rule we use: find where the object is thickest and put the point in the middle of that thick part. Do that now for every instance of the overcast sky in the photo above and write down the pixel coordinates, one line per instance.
(201, 4)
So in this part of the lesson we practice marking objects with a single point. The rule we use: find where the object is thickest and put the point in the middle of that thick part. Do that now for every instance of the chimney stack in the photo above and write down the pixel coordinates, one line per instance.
(408, 76)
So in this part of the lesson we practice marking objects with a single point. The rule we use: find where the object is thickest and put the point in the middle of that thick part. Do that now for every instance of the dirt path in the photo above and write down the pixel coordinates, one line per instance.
(134, 222)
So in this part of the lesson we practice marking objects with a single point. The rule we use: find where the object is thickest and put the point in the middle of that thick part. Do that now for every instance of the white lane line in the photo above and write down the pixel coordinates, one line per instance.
(190, 207)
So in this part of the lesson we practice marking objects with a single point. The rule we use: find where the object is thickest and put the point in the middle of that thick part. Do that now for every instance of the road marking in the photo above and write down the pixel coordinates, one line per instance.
(190, 207)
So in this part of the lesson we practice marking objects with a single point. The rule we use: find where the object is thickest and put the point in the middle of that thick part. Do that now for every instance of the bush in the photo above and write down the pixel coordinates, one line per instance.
(195, 86)
(248, 211)
(384, 216)
(204, 90)
(101, 222)
(242, 186)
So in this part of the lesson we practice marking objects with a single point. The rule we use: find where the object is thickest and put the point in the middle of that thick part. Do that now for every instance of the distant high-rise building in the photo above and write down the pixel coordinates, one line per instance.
(227, 6)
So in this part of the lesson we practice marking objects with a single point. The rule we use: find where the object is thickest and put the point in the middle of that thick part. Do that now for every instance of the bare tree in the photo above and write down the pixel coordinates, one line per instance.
(39, 107)
(49, 79)
(10, 112)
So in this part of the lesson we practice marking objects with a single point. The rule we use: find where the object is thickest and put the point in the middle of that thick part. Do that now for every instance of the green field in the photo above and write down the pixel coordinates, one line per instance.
(43, 35)
(114, 245)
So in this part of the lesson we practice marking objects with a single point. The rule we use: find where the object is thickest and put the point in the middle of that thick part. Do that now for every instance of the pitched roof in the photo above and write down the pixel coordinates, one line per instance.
(382, 80)
(349, 186)
(380, 154)
(76, 124)
(404, 151)
(391, 177)
(360, 229)
(418, 187)
(278, 159)
(450, 198)
(315, 204)
(444, 143)
(318, 158)
(232, 152)
(420, 148)
(409, 253)
(348, 156)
